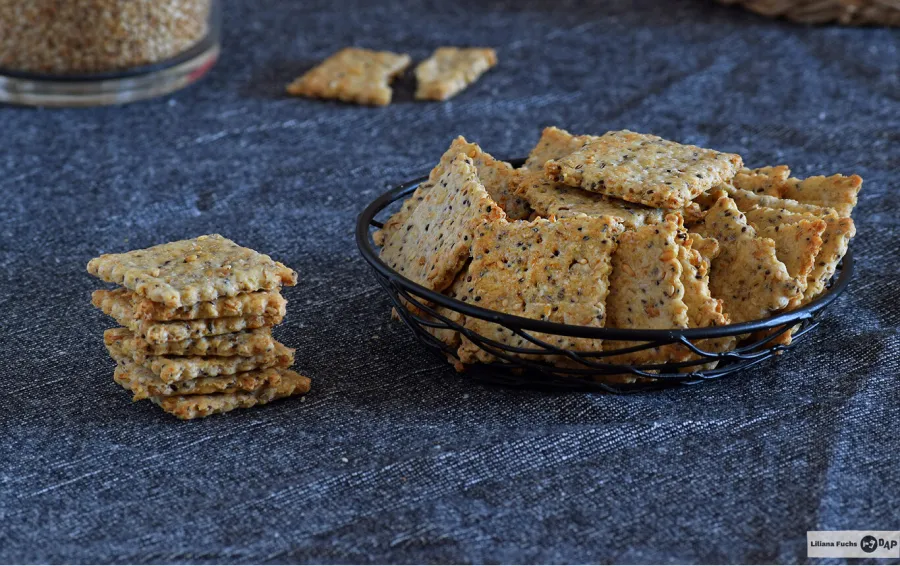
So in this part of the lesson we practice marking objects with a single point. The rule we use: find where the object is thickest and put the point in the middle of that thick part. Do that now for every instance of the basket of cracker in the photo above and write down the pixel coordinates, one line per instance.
(618, 262)
(845, 12)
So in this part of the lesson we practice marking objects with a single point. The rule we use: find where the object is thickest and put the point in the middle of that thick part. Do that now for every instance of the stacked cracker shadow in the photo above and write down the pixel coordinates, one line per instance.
(625, 231)
(196, 322)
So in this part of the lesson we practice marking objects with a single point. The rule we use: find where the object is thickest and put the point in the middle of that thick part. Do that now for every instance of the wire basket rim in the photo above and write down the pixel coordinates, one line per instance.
(366, 221)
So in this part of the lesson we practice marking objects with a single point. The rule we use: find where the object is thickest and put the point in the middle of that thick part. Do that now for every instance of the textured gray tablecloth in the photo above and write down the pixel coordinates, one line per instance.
(393, 457)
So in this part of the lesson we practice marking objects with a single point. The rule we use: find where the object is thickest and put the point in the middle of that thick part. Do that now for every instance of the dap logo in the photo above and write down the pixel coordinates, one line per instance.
(871, 544)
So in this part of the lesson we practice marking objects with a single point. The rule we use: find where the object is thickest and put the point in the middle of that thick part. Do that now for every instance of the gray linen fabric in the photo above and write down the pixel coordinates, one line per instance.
(393, 457)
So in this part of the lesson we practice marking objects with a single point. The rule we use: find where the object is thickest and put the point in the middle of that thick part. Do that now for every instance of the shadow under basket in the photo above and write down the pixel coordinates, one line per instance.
(538, 364)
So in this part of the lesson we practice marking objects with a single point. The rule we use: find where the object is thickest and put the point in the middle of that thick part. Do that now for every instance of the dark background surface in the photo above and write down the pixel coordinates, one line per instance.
(393, 457)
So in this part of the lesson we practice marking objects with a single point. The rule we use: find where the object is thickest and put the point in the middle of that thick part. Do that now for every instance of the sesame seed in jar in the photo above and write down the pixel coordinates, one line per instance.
(61, 37)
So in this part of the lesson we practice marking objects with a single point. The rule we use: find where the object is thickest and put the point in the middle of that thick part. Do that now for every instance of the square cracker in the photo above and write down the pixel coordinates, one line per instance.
(555, 143)
(117, 304)
(646, 291)
(746, 274)
(797, 242)
(835, 238)
(188, 407)
(353, 75)
(554, 271)
(643, 168)
(144, 384)
(837, 191)
(186, 272)
(433, 243)
(449, 70)
(498, 178)
(245, 343)
(269, 303)
(172, 369)
(553, 199)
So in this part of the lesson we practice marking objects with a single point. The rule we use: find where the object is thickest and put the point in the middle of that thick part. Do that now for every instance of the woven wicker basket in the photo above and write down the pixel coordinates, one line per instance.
(846, 12)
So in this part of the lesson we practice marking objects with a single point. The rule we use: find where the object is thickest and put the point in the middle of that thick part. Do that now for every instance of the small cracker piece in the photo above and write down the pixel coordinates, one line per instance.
(186, 272)
(837, 192)
(188, 407)
(269, 303)
(554, 271)
(449, 70)
(354, 75)
(645, 169)
(646, 291)
(434, 242)
(117, 304)
(553, 199)
(172, 369)
(144, 384)
(555, 143)
(747, 274)
(246, 343)
(835, 241)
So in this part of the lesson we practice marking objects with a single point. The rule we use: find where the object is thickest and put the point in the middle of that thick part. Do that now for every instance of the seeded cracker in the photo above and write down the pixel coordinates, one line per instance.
(645, 290)
(171, 369)
(554, 144)
(247, 343)
(747, 274)
(552, 199)
(644, 169)
(696, 254)
(449, 70)
(555, 271)
(797, 243)
(434, 242)
(116, 304)
(198, 406)
(746, 200)
(186, 272)
(269, 303)
(353, 75)
(837, 191)
(144, 384)
(763, 181)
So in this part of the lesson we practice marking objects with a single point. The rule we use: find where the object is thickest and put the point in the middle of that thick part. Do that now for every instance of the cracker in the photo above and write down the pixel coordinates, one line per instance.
(269, 303)
(172, 369)
(797, 242)
(835, 241)
(188, 407)
(498, 178)
(434, 242)
(144, 384)
(354, 75)
(646, 291)
(746, 200)
(837, 192)
(458, 290)
(746, 274)
(186, 272)
(555, 143)
(449, 70)
(246, 343)
(645, 169)
(554, 271)
(695, 255)
(117, 304)
(553, 199)
(763, 181)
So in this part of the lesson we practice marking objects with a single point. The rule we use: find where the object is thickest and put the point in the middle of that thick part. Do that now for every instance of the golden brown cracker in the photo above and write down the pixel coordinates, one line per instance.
(144, 384)
(245, 343)
(360, 76)
(449, 70)
(269, 303)
(645, 169)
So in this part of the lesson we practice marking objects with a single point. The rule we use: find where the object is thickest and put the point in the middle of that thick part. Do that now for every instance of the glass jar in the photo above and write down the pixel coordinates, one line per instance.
(95, 52)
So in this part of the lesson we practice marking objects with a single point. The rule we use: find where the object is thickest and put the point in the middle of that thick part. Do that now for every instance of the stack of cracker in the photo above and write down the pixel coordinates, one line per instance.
(196, 322)
(623, 230)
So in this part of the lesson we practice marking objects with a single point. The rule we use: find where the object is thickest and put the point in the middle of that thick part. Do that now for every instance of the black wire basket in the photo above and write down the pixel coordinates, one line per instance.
(538, 364)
